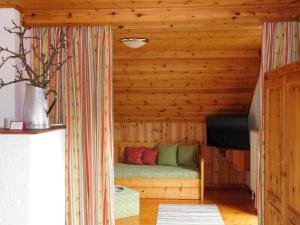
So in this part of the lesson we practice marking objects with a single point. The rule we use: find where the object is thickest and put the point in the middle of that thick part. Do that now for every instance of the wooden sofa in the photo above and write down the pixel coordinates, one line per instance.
(160, 187)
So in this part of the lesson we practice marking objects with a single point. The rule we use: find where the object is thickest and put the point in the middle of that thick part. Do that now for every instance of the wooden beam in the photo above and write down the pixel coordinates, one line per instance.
(249, 15)
(127, 4)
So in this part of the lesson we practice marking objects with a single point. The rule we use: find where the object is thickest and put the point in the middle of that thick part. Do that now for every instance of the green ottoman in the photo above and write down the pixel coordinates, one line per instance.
(127, 202)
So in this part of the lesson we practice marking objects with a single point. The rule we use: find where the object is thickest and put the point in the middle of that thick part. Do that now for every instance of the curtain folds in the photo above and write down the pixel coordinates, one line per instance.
(280, 46)
(84, 105)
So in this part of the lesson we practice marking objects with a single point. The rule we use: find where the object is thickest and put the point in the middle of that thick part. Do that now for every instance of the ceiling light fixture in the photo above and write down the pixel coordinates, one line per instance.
(134, 42)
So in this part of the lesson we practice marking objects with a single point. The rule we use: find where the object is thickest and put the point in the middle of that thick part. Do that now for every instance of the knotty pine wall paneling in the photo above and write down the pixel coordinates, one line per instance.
(185, 73)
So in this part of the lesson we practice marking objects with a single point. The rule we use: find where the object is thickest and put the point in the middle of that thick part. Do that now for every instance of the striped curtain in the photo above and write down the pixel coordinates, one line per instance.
(84, 105)
(280, 46)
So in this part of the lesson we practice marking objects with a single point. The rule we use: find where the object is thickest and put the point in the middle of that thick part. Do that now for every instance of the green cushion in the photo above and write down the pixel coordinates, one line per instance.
(123, 170)
(187, 155)
(167, 155)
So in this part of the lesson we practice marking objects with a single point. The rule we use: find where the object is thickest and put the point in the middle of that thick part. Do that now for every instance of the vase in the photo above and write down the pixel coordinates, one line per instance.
(35, 109)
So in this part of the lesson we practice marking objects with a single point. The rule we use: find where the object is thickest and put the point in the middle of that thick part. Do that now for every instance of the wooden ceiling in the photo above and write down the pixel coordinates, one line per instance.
(185, 73)
(203, 56)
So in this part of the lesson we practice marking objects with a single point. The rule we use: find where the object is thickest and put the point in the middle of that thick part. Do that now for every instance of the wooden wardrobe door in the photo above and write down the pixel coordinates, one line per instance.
(293, 145)
(274, 115)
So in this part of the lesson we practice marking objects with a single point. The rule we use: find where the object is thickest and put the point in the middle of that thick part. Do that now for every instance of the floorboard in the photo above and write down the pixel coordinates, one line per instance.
(236, 208)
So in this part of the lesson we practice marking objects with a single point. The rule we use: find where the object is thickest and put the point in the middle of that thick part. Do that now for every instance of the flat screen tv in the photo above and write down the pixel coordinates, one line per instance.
(228, 132)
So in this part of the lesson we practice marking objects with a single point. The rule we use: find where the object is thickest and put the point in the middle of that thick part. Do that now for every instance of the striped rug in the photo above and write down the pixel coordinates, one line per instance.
(178, 214)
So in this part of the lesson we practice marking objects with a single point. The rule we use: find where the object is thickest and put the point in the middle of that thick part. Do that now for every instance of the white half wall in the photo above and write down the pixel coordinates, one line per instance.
(11, 97)
(32, 178)
(255, 112)
(255, 120)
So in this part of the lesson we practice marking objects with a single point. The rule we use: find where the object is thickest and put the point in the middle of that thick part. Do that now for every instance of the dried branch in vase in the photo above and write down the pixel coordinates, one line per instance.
(25, 72)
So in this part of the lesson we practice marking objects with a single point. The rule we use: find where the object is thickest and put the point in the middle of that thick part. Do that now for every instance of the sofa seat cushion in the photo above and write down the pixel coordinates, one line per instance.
(123, 170)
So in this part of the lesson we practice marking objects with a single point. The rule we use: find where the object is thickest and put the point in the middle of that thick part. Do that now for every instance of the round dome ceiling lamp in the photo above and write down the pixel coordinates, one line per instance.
(134, 42)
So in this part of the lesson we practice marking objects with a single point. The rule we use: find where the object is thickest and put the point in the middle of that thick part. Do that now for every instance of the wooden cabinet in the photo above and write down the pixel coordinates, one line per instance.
(293, 146)
(274, 115)
(282, 146)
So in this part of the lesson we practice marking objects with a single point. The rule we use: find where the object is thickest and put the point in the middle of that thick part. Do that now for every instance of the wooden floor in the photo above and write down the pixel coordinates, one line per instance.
(236, 208)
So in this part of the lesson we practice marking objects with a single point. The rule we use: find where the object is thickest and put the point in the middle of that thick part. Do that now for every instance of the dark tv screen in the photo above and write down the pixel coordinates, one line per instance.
(228, 132)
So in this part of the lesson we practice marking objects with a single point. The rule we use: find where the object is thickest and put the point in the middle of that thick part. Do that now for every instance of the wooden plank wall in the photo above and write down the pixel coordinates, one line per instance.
(218, 170)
